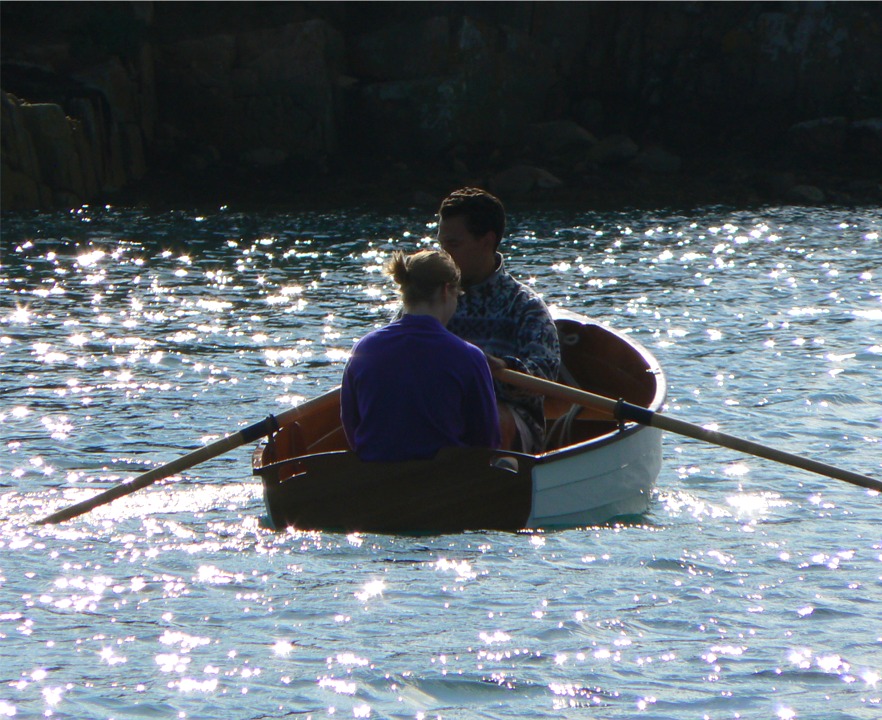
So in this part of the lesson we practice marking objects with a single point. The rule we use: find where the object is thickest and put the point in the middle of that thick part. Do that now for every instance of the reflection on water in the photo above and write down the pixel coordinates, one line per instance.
(128, 338)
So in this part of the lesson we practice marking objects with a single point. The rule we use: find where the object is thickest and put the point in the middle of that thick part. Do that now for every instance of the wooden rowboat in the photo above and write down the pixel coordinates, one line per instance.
(594, 469)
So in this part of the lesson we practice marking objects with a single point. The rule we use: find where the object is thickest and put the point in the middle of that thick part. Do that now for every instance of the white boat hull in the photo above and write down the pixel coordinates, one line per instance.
(615, 479)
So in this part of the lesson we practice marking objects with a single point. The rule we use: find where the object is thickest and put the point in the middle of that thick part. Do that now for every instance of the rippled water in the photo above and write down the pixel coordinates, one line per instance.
(751, 590)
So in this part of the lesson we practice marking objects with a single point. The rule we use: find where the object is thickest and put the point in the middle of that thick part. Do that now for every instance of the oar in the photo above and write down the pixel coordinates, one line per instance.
(623, 411)
(219, 447)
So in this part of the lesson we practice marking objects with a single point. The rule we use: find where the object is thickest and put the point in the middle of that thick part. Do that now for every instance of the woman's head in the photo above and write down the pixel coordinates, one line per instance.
(423, 274)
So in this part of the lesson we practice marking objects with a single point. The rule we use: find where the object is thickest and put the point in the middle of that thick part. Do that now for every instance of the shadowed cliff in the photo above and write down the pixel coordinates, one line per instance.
(303, 103)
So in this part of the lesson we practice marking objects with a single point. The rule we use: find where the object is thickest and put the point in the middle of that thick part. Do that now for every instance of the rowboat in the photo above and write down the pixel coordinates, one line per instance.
(594, 469)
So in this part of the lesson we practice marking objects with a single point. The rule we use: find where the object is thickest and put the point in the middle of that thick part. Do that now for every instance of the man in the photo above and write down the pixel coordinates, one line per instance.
(499, 314)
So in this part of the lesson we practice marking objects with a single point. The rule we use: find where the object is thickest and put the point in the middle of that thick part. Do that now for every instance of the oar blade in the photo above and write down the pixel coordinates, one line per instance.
(750, 447)
(219, 447)
(175, 467)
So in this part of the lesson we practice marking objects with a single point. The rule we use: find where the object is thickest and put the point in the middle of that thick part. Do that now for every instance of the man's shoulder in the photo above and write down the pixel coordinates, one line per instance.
(523, 294)
(507, 280)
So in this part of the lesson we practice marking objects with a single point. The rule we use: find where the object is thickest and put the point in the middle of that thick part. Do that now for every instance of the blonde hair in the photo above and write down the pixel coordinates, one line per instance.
(421, 274)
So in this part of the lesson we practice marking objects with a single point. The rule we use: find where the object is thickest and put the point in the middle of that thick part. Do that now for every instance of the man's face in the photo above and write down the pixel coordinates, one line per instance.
(474, 255)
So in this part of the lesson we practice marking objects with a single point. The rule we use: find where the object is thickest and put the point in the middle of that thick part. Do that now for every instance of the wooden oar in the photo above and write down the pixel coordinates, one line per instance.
(219, 447)
(623, 411)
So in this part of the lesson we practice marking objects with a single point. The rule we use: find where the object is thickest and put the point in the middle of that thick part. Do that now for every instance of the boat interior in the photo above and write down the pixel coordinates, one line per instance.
(595, 359)
(600, 361)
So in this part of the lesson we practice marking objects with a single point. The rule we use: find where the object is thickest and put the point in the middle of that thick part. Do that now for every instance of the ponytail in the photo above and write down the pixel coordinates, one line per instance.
(420, 275)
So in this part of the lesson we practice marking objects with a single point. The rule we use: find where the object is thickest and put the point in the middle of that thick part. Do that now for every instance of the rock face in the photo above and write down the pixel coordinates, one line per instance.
(784, 99)
(66, 140)
(259, 97)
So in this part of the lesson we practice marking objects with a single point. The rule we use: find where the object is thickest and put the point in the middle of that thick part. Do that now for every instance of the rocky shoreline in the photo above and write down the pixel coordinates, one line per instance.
(602, 105)
(726, 181)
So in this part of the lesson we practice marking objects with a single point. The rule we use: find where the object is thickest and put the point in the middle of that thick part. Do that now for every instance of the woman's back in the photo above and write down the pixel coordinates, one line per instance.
(412, 387)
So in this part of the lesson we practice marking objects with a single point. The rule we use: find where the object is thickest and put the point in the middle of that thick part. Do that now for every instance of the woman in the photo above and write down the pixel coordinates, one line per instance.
(412, 387)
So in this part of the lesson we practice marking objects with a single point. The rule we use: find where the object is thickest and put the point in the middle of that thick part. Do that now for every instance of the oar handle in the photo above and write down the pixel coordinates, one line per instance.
(542, 386)
(621, 410)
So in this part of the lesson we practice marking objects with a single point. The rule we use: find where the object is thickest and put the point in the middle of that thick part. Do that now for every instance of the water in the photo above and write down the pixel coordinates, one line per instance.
(751, 590)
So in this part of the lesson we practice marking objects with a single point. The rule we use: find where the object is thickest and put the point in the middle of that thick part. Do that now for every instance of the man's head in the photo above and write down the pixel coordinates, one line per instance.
(482, 211)
(471, 225)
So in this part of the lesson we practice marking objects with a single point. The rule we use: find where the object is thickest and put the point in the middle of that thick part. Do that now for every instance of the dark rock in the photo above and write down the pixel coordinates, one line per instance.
(256, 94)
(57, 157)
(870, 189)
(424, 199)
(820, 138)
(85, 132)
(403, 50)
(612, 150)
(659, 161)
(865, 138)
(521, 180)
(265, 157)
(807, 194)
(774, 184)
(561, 136)
(405, 117)
(21, 191)
(287, 97)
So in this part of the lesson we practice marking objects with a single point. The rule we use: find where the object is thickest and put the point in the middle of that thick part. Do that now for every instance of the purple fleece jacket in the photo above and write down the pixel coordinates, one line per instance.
(412, 387)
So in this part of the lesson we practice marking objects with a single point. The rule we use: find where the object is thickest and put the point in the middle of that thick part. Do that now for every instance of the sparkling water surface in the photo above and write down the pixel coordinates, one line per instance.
(750, 590)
